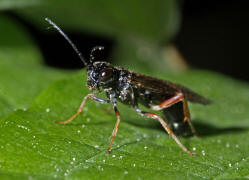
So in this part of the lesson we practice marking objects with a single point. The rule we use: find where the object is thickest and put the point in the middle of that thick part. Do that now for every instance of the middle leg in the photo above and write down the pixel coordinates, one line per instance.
(115, 130)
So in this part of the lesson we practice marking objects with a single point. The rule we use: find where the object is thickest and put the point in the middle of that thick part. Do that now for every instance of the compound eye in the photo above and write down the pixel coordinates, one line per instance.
(105, 74)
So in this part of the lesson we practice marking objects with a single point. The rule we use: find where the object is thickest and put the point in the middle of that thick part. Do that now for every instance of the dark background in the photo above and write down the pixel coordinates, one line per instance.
(213, 36)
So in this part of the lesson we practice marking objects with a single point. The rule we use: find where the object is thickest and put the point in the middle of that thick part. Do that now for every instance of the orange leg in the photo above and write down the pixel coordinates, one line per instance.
(187, 117)
(175, 99)
(115, 130)
(169, 131)
(91, 96)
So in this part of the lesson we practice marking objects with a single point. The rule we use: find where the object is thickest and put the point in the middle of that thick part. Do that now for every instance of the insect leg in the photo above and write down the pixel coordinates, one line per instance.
(173, 100)
(187, 117)
(91, 96)
(115, 130)
(165, 126)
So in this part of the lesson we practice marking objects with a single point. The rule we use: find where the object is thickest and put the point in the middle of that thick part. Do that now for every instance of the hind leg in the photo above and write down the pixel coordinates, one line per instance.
(173, 100)
(165, 126)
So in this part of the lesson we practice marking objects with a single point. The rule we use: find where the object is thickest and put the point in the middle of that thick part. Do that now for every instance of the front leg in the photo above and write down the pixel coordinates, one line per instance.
(91, 96)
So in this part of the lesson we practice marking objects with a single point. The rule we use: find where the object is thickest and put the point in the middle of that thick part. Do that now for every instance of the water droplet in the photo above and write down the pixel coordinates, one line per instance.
(33, 136)
(138, 139)
(120, 157)
(126, 172)
(47, 110)
(104, 161)
(78, 131)
(74, 158)
(88, 119)
(96, 146)
(203, 152)
(23, 127)
(145, 147)
(237, 146)
(134, 165)
(230, 165)
(227, 145)
(194, 148)
(113, 155)
(83, 126)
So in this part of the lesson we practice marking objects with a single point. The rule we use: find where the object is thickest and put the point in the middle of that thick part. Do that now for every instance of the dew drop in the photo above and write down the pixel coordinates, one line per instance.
(145, 147)
(126, 172)
(134, 165)
(96, 146)
(120, 157)
(230, 165)
(194, 148)
(47, 110)
(113, 155)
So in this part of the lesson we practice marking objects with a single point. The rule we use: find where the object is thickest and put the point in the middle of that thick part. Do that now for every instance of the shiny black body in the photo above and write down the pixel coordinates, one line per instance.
(133, 89)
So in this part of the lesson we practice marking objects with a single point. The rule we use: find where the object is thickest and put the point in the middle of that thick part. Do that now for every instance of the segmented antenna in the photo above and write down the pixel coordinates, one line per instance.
(67, 38)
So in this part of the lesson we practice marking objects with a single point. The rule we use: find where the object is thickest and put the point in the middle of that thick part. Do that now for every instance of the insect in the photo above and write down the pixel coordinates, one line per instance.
(133, 89)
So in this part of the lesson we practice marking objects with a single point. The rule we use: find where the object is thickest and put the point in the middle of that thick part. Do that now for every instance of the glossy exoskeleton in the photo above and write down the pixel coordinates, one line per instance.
(132, 89)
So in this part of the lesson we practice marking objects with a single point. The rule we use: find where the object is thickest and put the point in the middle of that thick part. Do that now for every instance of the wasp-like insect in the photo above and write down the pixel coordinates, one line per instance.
(132, 89)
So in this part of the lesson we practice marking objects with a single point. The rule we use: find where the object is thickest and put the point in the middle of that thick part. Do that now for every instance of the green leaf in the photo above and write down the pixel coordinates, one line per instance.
(23, 76)
(32, 145)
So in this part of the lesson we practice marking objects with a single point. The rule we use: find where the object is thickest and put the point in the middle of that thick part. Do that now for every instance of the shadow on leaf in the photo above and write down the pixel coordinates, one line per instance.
(203, 129)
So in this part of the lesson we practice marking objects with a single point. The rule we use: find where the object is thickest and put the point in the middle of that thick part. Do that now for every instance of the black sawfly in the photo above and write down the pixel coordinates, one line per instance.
(132, 89)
